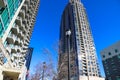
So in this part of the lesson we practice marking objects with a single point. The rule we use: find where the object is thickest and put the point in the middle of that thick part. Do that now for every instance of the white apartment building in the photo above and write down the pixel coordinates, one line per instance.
(17, 19)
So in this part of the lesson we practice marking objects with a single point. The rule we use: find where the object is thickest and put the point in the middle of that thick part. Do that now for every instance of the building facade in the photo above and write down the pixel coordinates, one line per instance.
(77, 53)
(111, 61)
(17, 19)
(28, 58)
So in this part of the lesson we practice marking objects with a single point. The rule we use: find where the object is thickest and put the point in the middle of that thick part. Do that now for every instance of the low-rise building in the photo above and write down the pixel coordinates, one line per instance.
(111, 61)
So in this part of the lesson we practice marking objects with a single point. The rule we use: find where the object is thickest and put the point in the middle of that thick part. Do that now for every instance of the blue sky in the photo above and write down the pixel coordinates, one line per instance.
(103, 15)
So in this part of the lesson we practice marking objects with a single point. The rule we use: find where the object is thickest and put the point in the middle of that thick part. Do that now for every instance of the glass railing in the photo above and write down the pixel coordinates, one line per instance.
(12, 6)
(1, 10)
(1, 29)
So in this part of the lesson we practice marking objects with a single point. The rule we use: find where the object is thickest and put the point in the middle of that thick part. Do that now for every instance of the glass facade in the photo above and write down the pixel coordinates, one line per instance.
(6, 14)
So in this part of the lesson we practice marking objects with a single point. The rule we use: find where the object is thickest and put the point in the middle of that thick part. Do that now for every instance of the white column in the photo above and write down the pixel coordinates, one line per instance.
(1, 75)
(22, 75)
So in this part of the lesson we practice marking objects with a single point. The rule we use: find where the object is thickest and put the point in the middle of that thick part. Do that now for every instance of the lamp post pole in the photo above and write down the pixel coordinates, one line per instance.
(44, 66)
(68, 33)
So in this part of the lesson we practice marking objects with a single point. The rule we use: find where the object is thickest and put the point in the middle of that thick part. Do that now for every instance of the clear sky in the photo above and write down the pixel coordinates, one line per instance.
(103, 15)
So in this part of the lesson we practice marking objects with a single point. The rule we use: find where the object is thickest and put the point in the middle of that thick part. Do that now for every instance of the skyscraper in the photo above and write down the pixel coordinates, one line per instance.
(17, 19)
(77, 53)
(28, 58)
(111, 61)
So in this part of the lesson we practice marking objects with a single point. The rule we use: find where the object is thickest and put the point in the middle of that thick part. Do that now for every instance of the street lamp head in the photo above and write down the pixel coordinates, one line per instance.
(68, 32)
(44, 65)
(44, 62)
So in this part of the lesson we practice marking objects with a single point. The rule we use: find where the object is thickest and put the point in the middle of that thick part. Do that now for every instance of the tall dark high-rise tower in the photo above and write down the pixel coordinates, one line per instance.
(77, 53)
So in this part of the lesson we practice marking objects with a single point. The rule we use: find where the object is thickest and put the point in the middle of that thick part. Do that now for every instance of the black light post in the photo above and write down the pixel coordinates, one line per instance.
(68, 33)
(44, 67)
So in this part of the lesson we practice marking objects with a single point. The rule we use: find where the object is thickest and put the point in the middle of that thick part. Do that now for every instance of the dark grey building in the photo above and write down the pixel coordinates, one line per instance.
(111, 61)
(77, 53)
(28, 59)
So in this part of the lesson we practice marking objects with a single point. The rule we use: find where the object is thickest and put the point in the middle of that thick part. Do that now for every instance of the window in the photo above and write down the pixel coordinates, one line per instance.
(109, 78)
(119, 56)
(103, 56)
(116, 50)
(109, 53)
(117, 77)
(93, 74)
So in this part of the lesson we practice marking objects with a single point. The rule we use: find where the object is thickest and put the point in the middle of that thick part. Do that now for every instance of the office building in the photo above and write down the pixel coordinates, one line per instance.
(77, 53)
(111, 61)
(28, 58)
(17, 19)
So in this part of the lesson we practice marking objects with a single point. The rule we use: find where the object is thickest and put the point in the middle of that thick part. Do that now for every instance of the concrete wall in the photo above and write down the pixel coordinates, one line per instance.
(91, 78)
(1, 75)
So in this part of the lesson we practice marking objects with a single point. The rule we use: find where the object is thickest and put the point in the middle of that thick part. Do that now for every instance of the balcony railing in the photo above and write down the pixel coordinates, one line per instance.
(15, 29)
(5, 53)
(22, 13)
(19, 21)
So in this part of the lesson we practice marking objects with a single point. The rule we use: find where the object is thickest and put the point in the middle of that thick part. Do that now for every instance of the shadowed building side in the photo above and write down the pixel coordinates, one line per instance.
(28, 60)
(77, 53)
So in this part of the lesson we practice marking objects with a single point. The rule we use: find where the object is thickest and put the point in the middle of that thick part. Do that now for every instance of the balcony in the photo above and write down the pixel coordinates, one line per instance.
(8, 48)
(18, 39)
(15, 29)
(17, 42)
(25, 22)
(27, 16)
(19, 21)
(11, 46)
(24, 51)
(5, 53)
(21, 43)
(13, 50)
(12, 58)
(11, 38)
(24, 7)
(27, 40)
(26, 44)
(22, 28)
(16, 48)
(19, 35)
(22, 13)
(19, 49)
(1, 58)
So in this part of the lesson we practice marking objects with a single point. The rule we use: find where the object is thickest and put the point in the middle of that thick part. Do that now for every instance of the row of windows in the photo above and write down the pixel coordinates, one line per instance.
(109, 53)
(110, 78)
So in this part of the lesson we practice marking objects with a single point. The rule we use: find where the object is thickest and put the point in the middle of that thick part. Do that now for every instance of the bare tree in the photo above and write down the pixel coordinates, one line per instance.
(46, 71)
